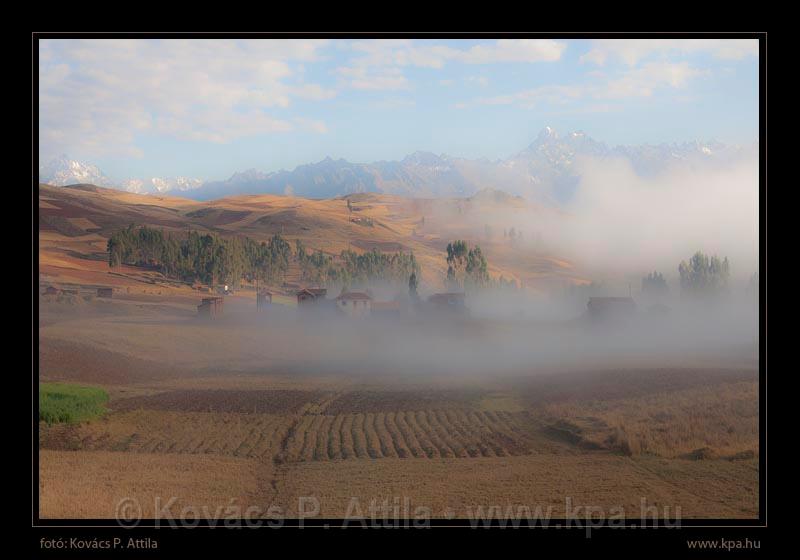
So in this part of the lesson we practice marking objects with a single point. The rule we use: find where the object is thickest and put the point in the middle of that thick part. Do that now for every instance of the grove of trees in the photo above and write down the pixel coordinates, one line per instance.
(703, 275)
(466, 268)
(654, 284)
(213, 259)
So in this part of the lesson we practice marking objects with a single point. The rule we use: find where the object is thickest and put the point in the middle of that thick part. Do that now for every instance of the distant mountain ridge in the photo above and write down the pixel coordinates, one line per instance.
(63, 171)
(545, 170)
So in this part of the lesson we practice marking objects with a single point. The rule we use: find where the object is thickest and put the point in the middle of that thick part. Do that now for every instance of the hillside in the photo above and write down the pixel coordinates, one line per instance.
(75, 222)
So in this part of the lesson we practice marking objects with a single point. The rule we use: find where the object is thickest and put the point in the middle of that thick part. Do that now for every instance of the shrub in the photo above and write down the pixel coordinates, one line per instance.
(66, 403)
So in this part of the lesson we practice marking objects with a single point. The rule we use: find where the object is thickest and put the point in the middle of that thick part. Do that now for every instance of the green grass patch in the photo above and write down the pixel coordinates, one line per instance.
(66, 403)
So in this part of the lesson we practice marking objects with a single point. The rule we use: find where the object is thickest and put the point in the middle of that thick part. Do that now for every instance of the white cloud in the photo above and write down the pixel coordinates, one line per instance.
(636, 82)
(97, 96)
(365, 77)
(554, 94)
(632, 51)
(515, 50)
(642, 82)
(379, 63)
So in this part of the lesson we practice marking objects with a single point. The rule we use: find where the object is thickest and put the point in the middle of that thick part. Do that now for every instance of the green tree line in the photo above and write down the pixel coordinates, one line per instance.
(213, 259)
(352, 269)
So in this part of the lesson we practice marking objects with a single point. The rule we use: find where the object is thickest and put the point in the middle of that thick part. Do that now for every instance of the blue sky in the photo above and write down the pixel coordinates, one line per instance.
(198, 108)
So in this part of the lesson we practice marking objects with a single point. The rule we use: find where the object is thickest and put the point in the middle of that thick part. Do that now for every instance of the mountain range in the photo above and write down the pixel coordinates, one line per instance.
(547, 170)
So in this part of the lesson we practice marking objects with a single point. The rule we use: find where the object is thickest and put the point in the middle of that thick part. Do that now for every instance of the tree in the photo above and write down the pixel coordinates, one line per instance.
(413, 283)
(451, 277)
(476, 269)
(654, 284)
(704, 276)
(465, 266)
(457, 253)
(456, 260)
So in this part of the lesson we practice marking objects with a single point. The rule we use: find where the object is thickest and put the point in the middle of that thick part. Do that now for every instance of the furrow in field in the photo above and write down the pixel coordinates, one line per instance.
(446, 433)
(398, 441)
(433, 435)
(384, 436)
(359, 437)
(373, 441)
(310, 440)
(408, 435)
(465, 435)
(323, 439)
(335, 445)
(348, 451)
(481, 433)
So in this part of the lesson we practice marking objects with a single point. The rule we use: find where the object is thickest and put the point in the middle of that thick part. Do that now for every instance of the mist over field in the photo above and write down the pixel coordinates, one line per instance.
(622, 222)
(479, 278)
(526, 344)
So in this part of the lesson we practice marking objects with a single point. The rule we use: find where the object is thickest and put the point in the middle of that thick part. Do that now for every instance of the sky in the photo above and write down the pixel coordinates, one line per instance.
(209, 108)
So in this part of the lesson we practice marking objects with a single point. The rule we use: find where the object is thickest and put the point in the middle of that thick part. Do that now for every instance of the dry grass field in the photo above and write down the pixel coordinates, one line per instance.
(266, 413)
(91, 484)
(446, 449)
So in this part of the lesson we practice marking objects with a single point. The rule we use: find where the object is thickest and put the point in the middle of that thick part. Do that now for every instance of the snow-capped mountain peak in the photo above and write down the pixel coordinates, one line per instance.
(547, 133)
(62, 171)
(65, 171)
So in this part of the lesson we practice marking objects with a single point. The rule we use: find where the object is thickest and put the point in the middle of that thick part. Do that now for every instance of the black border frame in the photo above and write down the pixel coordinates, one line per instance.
(95, 527)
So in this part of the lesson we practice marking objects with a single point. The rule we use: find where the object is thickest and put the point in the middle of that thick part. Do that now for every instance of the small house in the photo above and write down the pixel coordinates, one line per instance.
(611, 308)
(354, 304)
(263, 299)
(105, 292)
(308, 296)
(210, 307)
(451, 301)
(51, 291)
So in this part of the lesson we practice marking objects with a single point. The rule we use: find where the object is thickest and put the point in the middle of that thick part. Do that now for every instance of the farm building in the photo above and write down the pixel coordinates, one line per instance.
(210, 307)
(308, 296)
(51, 291)
(610, 308)
(451, 301)
(105, 292)
(263, 299)
(354, 304)
(70, 292)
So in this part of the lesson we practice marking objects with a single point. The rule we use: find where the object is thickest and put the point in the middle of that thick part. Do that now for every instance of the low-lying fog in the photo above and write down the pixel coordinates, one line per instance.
(536, 336)
(618, 227)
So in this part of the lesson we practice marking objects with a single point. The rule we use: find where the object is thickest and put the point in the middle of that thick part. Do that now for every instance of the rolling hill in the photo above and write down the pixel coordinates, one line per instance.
(75, 222)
